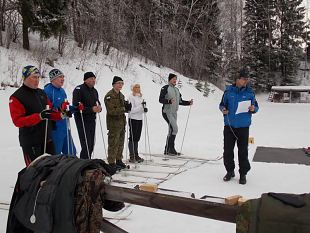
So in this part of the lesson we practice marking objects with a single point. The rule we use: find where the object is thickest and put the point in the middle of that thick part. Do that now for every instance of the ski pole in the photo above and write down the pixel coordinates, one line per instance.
(46, 126)
(148, 136)
(127, 129)
(67, 125)
(84, 133)
(70, 137)
(105, 150)
(190, 107)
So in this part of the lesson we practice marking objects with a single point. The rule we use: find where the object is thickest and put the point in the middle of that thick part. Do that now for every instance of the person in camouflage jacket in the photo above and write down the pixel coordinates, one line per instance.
(116, 121)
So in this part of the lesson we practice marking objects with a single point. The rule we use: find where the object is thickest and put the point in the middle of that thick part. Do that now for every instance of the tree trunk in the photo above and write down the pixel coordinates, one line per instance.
(2, 27)
(2, 10)
(25, 37)
(26, 23)
(76, 23)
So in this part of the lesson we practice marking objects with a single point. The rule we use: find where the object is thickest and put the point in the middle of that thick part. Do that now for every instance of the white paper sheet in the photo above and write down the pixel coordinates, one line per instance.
(243, 106)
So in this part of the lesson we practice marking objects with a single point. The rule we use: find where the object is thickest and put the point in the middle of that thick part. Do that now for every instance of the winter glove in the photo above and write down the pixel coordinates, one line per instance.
(64, 106)
(45, 114)
(80, 107)
(145, 109)
(127, 106)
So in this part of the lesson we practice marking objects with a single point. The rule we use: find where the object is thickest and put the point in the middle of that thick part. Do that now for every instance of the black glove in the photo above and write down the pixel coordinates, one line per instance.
(127, 106)
(67, 114)
(145, 109)
(45, 114)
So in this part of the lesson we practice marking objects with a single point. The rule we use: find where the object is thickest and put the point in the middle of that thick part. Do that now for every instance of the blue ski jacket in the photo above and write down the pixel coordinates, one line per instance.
(59, 134)
(231, 98)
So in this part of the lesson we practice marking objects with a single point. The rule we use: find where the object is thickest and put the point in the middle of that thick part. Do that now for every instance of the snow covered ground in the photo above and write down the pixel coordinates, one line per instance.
(277, 125)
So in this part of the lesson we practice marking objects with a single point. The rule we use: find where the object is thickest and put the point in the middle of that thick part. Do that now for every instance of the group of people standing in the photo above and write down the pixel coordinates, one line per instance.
(42, 117)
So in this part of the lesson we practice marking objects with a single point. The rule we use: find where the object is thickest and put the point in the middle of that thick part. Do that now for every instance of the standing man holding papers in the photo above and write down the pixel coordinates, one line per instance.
(237, 105)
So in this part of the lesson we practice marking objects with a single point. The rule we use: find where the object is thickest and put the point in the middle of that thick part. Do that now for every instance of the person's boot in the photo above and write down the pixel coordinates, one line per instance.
(166, 146)
(138, 158)
(132, 158)
(228, 176)
(171, 149)
(242, 179)
(112, 169)
(120, 164)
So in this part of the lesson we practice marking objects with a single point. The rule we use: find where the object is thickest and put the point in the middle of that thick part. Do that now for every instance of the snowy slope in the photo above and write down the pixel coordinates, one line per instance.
(283, 125)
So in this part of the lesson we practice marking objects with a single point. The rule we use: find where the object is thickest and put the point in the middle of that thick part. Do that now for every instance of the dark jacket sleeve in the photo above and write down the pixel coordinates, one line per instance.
(162, 98)
(223, 103)
(78, 98)
(184, 102)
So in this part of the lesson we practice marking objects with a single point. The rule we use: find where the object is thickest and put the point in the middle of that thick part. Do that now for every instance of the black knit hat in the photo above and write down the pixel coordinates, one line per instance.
(116, 79)
(88, 75)
(171, 76)
(243, 73)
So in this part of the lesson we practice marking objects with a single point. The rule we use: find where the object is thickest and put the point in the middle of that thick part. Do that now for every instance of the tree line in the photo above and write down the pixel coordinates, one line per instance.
(205, 40)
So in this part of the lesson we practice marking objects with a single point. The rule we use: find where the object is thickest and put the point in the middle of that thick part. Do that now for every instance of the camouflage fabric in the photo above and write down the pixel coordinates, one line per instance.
(246, 218)
(88, 202)
(115, 105)
(116, 122)
(116, 139)
(274, 212)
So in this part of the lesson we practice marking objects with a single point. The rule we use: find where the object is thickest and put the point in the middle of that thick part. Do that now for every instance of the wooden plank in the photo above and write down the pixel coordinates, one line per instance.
(108, 227)
(196, 207)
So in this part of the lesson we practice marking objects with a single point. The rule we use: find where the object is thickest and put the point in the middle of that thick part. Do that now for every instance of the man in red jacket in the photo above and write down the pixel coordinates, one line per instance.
(30, 114)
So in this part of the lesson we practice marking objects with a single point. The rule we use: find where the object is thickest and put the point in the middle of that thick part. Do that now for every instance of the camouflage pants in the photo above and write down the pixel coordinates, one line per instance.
(116, 139)
(88, 202)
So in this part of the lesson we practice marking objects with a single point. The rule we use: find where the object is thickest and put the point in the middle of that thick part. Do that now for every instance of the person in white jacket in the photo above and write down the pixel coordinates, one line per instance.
(135, 118)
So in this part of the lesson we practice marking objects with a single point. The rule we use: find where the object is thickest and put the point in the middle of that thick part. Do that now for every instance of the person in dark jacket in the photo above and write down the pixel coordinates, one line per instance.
(28, 112)
(86, 97)
(61, 133)
(237, 105)
(171, 98)
(116, 121)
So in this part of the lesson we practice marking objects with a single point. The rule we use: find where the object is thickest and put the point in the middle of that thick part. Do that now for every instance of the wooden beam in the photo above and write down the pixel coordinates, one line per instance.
(196, 207)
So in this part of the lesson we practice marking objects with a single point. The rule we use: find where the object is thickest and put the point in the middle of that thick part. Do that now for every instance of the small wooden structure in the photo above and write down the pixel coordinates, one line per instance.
(290, 94)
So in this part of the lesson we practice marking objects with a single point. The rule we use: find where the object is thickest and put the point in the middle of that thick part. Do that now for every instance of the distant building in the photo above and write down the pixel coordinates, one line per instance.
(290, 94)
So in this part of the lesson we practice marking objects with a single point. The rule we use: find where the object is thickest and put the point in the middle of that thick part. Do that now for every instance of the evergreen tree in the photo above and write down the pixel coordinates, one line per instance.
(44, 16)
(273, 33)
(291, 29)
(258, 43)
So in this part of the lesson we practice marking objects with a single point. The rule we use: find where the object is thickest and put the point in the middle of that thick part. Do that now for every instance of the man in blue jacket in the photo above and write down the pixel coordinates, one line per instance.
(61, 133)
(237, 105)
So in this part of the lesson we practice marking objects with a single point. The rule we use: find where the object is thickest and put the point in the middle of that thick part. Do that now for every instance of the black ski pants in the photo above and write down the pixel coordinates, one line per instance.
(135, 129)
(90, 128)
(34, 151)
(241, 136)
